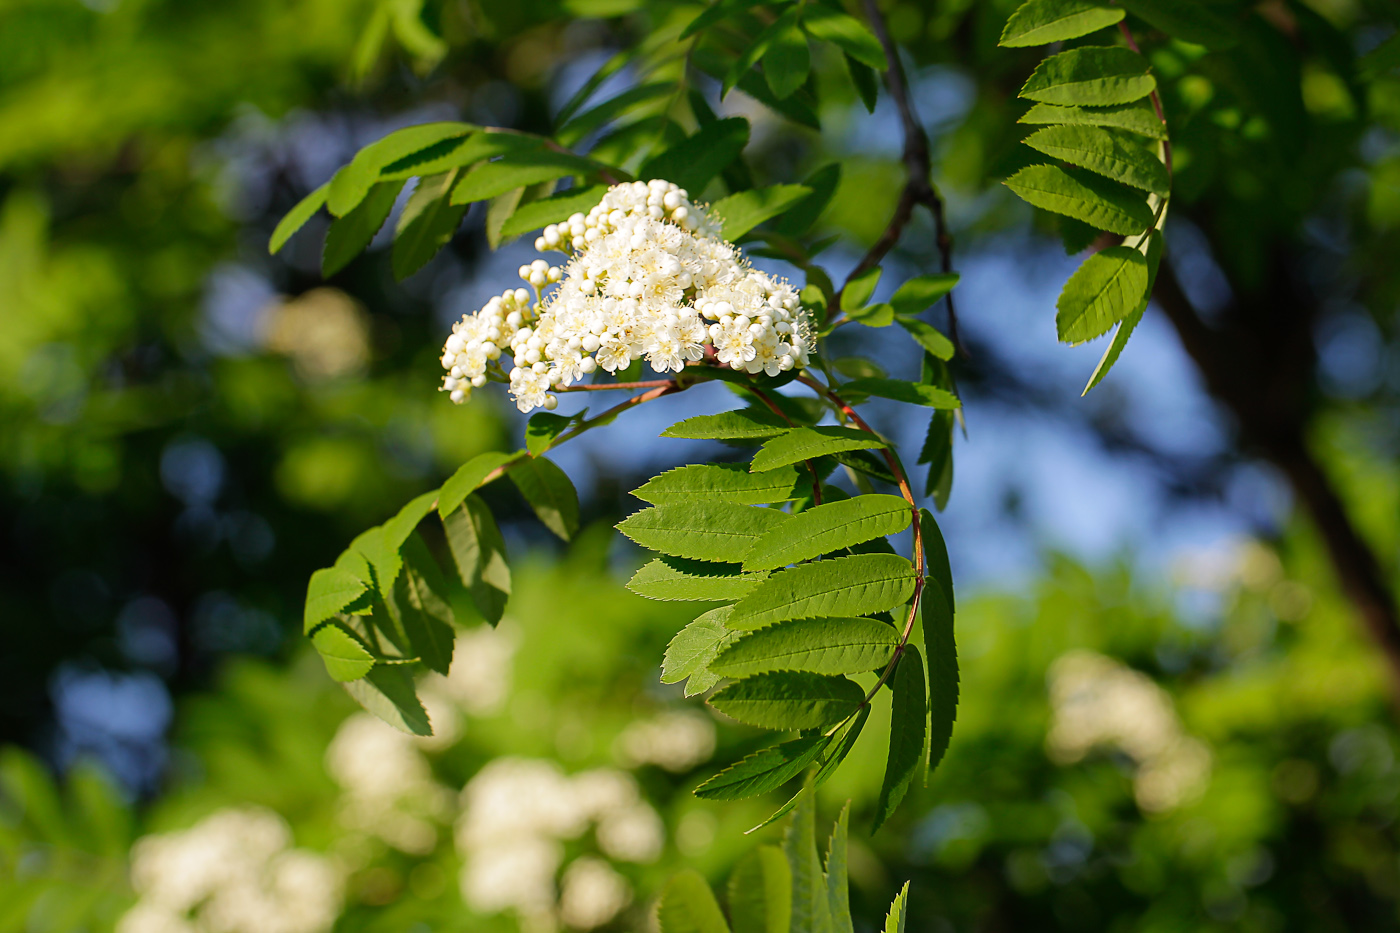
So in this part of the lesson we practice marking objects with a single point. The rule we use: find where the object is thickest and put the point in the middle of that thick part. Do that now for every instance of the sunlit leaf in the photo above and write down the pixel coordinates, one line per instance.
(703, 529)
(908, 726)
(1092, 76)
(1041, 22)
(822, 646)
(1104, 204)
(789, 700)
(827, 528)
(844, 586)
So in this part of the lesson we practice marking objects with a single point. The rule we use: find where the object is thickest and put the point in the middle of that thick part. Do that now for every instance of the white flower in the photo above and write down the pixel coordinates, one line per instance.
(648, 277)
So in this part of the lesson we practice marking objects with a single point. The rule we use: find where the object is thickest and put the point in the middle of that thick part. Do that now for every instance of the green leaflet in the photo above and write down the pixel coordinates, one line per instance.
(744, 210)
(552, 209)
(827, 528)
(420, 606)
(867, 84)
(1094, 76)
(691, 164)
(898, 916)
(908, 726)
(344, 656)
(703, 529)
(937, 452)
(297, 217)
(328, 592)
(798, 219)
(787, 60)
(838, 885)
(1040, 22)
(1138, 117)
(914, 393)
(500, 209)
(1129, 323)
(1103, 204)
(353, 183)
(714, 13)
(922, 291)
(693, 649)
(859, 290)
(928, 337)
(398, 529)
(821, 646)
(939, 567)
(517, 170)
(763, 771)
(426, 225)
(846, 586)
(730, 425)
(673, 578)
(760, 892)
(811, 907)
(349, 235)
(543, 427)
(1111, 153)
(479, 552)
(388, 693)
(549, 492)
(688, 906)
(580, 126)
(729, 482)
(789, 700)
(1189, 20)
(942, 651)
(797, 444)
(458, 153)
(469, 478)
(876, 315)
(741, 67)
(845, 32)
(1105, 289)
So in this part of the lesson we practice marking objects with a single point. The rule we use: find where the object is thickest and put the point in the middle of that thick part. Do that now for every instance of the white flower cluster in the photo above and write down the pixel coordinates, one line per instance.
(232, 873)
(647, 278)
(516, 814)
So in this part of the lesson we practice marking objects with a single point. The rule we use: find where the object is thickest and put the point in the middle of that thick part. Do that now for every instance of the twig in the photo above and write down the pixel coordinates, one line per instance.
(605, 386)
(918, 184)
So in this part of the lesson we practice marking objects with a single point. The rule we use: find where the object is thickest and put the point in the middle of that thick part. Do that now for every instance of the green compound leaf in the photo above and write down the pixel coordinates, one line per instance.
(820, 646)
(811, 908)
(1137, 117)
(846, 586)
(426, 225)
(693, 162)
(330, 591)
(703, 530)
(790, 700)
(827, 528)
(897, 919)
(838, 885)
(908, 726)
(845, 32)
(928, 337)
(349, 235)
(388, 693)
(1110, 153)
(798, 444)
(549, 492)
(469, 478)
(914, 393)
(344, 656)
(688, 906)
(1093, 77)
(787, 59)
(419, 603)
(1103, 291)
(674, 578)
(457, 153)
(744, 210)
(297, 217)
(1040, 22)
(398, 529)
(353, 183)
(727, 482)
(760, 892)
(1103, 204)
(1129, 323)
(479, 552)
(743, 424)
(922, 291)
(517, 170)
(763, 771)
(942, 650)
(691, 652)
(553, 209)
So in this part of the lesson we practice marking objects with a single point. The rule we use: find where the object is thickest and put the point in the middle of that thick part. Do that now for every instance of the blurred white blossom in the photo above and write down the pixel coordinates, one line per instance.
(1097, 701)
(676, 740)
(389, 789)
(234, 872)
(592, 894)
